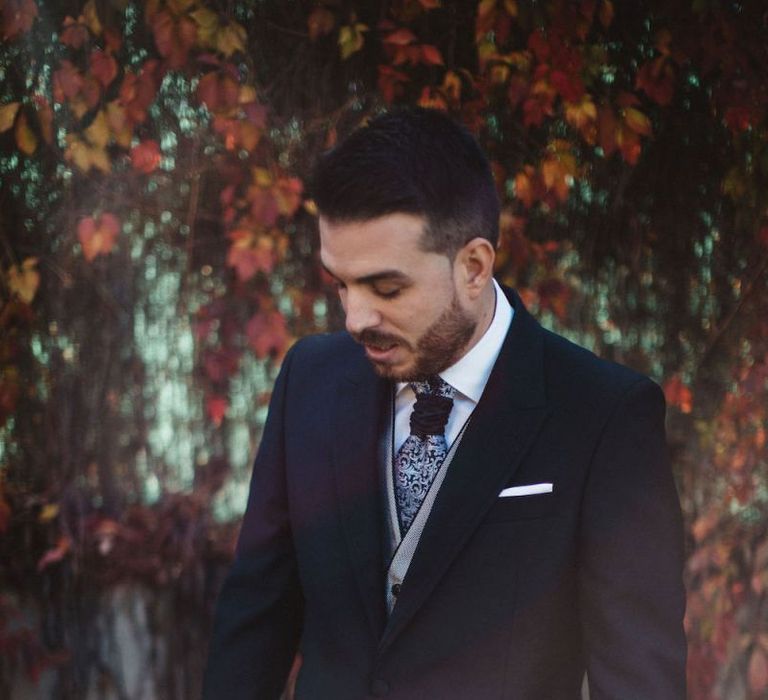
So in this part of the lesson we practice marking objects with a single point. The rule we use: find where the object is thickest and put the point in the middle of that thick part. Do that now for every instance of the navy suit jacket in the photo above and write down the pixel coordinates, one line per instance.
(505, 597)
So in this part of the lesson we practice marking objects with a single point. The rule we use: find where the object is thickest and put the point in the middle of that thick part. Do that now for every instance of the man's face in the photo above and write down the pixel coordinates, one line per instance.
(400, 302)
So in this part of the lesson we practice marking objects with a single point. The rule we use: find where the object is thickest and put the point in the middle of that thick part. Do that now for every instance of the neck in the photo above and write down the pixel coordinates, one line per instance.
(487, 307)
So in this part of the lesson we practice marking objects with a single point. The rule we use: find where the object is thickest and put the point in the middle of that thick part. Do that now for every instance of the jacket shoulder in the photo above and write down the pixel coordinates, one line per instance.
(580, 374)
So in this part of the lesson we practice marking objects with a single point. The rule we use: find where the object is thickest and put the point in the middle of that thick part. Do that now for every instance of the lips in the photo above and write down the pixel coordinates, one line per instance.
(380, 353)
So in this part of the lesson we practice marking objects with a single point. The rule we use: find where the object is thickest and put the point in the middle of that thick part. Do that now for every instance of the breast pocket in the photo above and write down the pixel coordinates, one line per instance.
(539, 505)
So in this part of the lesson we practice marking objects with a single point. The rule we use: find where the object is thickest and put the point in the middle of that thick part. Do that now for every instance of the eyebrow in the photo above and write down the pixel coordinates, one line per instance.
(382, 276)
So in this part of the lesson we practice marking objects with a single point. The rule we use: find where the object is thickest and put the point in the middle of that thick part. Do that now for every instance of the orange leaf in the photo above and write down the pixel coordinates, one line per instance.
(637, 121)
(98, 236)
(524, 187)
(24, 281)
(320, 22)
(145, 157)
(8, 115)
(25, 137)
(678, 394)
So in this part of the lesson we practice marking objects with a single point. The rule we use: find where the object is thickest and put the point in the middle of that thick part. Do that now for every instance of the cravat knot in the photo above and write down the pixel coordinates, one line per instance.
(424, 450)
(434, 401)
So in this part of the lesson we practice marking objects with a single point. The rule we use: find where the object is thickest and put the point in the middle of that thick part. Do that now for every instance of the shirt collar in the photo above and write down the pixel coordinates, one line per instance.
(470, 373)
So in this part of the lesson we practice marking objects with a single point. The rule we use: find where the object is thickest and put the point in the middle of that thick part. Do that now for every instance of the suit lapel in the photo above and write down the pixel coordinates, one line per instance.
(503, 425)
(360, 409)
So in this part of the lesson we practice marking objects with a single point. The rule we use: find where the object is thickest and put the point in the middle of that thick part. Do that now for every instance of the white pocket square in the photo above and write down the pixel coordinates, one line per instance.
(527, 490)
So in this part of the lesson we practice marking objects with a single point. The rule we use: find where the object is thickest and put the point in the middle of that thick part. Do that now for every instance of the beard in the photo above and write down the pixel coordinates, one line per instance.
(440, 346)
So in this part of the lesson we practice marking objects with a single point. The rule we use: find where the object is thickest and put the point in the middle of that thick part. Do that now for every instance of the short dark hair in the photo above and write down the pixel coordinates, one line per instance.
(412, 161)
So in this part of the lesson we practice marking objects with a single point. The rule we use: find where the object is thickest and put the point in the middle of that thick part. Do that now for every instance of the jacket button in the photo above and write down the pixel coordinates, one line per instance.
(395, 589)
(379, 687)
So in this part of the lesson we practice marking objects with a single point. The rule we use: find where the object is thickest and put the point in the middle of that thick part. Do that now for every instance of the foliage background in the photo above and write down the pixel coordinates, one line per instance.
(158, 256)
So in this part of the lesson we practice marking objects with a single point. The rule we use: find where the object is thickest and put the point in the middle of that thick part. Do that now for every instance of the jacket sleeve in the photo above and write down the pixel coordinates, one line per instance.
(632, 598)
(259, 613)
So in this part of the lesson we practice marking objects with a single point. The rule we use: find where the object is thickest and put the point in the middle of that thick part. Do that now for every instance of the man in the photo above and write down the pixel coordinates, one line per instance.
(448, 500)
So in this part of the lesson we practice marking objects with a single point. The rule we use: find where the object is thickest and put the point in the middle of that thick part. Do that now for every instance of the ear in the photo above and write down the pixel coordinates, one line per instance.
(474, 266)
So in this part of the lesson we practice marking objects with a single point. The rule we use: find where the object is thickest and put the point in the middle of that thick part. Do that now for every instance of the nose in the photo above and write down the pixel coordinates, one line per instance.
(360, 313)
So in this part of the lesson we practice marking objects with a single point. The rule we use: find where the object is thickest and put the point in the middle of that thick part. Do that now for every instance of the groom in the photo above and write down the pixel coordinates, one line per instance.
(449, 502)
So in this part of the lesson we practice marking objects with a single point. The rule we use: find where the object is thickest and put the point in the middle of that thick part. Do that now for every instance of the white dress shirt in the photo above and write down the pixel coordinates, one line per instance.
(468, 376)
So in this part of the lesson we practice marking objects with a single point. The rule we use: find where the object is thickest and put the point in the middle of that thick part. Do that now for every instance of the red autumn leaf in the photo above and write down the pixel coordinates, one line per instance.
(67, 82)
(569, 85)
(431, 55)
(537, 43)
(762, 236)
(287, 192)
(537, 107)
(221, 364)
(400, 37)
(264, 206)
(678, 394)
(267, 334)
(629, 145)
(249, 254)
(218, 91)
(739, 118)
(656, 78)
(145, 156)
(103, 67)
(98, 236)
(216, 408)
(554, 295)
(138, 92)
(320, 22)
(56, 554)
(74, 34)
(18, 17)
(174, 36)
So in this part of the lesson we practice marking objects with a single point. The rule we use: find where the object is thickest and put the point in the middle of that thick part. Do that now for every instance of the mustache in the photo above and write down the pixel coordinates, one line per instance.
(376, 338)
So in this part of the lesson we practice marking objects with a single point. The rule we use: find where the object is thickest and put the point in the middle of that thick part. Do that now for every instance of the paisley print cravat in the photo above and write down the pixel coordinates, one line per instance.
(421, 455)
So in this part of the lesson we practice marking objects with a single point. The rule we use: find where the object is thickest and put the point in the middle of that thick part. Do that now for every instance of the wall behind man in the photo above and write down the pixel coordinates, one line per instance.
(158, 256)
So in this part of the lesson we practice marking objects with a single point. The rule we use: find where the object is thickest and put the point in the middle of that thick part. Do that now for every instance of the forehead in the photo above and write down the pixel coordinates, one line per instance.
(357, 248)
